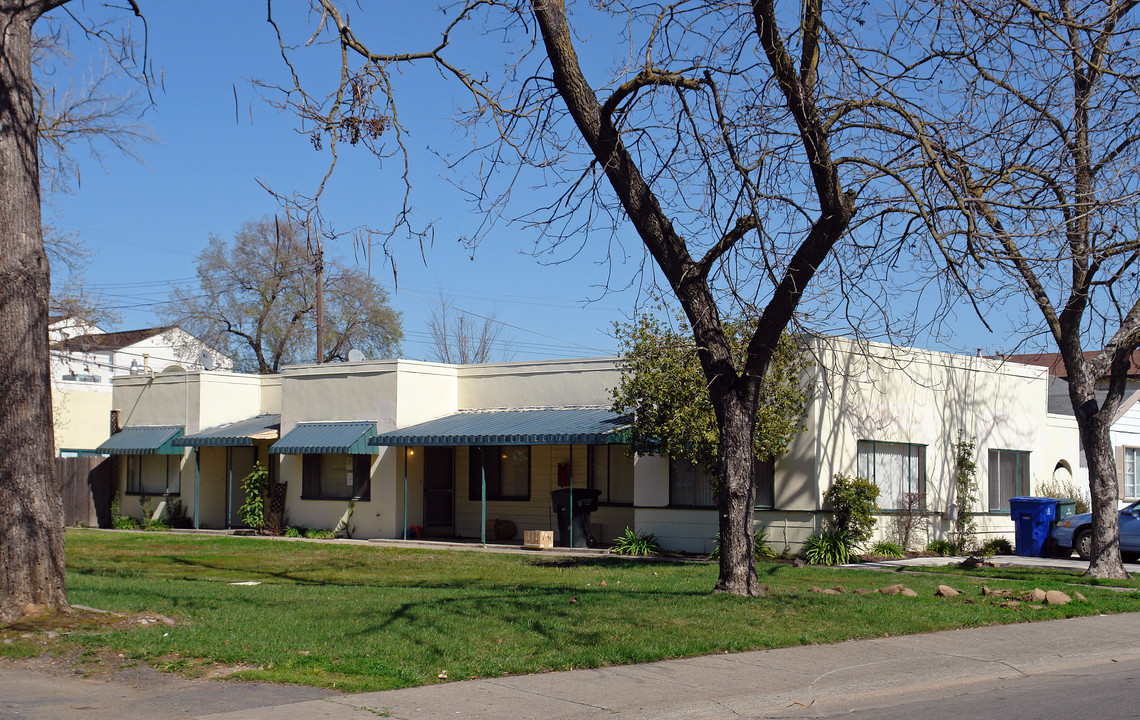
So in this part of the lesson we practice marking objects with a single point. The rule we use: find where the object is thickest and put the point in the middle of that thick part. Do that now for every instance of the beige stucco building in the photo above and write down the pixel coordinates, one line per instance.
(416, 448)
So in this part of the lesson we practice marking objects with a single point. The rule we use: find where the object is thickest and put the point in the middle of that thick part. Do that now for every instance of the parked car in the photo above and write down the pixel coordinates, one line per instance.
(1075, 533)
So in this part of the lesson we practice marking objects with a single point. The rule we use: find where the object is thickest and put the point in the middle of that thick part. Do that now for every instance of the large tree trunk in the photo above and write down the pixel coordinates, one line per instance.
(1093, 424)
(735, 499)
(31, 516)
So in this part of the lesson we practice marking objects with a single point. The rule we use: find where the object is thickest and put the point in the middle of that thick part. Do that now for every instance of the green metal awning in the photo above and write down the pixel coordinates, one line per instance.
(327, 437)
(236, 434)
(537, 426)
(143, 440)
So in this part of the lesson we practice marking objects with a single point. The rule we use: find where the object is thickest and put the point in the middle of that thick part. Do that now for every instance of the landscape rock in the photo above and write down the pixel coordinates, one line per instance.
(891, 590)
(907, 592)
(1079, 597)
(1037, 596)
(1010, 604)
(863, 591)
(946, 591)
(991, 592)
(1056, 597)
(1037, 607)
(839, 589)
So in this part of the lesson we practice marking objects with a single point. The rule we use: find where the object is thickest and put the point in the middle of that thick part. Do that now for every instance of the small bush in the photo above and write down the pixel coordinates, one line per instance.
(253, 486)
(176, 516)
(997, 546)
(156, 525)
(124, 522)
(852, 503)
(829, 547)
(760, 548)
(1066, 489)
(121, 522)
(320, 534)
(888, 550)
(296, 532)
(941, 547)
(631, 543)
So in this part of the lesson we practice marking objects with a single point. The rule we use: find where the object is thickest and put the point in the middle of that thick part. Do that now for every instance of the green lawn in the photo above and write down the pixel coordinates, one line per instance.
(372, 617)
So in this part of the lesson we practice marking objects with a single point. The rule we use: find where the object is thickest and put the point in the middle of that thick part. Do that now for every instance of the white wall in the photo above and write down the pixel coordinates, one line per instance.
(536, 384)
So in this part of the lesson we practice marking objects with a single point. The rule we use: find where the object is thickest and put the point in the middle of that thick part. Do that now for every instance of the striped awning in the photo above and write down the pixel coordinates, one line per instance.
(143, 440)
(235, 434)
(537, 426)
(327, 437)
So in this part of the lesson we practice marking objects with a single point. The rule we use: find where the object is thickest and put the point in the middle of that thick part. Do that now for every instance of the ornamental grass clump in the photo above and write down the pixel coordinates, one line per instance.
(828, 547)
(631, 543)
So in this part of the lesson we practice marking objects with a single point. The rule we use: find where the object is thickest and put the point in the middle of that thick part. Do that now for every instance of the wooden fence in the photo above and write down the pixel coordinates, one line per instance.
(85, 484)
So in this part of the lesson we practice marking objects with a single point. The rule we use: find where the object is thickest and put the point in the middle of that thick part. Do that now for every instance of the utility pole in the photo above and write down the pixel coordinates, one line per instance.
(319, 261)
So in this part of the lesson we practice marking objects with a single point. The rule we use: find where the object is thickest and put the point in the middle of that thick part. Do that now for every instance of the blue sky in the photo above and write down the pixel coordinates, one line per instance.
(147, 221)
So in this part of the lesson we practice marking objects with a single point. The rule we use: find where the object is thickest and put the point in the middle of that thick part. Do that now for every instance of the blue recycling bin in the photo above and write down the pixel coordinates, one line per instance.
(1032, 517)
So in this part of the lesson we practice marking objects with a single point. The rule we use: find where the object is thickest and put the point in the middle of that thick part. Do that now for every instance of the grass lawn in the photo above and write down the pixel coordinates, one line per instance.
(370, 617)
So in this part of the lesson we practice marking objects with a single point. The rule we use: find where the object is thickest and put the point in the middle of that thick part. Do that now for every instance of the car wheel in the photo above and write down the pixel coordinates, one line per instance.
(1082, 543)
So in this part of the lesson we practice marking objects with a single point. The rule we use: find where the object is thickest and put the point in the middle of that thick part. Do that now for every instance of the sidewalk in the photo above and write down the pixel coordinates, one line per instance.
(790, 682)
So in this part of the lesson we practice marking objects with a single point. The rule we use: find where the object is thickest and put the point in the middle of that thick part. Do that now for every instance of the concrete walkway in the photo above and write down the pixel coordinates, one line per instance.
(806, 681)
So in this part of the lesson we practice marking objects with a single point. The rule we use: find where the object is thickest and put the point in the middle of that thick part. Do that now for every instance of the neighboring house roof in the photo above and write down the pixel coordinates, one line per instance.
(1057, 366)
(236, 434)
(327, 437)
(529, 426)
(143, 440)
(112, 340)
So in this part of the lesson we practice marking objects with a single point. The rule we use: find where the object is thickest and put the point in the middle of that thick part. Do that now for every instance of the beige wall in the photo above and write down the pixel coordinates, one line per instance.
(529, 384)
(81, 413)
(870, 391)
(339, 391)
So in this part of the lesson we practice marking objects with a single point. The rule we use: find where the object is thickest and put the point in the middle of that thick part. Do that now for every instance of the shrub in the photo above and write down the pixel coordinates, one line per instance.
(852, 502)
(121, 522)
(156, 525)
(176, 514)
(888, 550)
(320, 534)
(124, 522)
(965, 531)
(1065, 489)
(296, 532)
(760, 547)
(829, 547)
(631, 543)
(997, 546)
(252, 511)
(942, 547)
(906, 526)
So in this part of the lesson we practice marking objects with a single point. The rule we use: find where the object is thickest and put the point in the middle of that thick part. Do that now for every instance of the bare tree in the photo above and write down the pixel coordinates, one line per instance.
(31, 518)
(256, 301)
(1025, 167)
(728, 138)
(463, 337)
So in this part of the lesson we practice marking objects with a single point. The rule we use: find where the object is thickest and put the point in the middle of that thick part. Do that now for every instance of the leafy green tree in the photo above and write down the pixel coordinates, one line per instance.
(663, 388)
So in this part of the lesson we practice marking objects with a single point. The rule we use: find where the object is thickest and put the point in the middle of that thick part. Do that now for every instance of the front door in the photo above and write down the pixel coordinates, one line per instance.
(439, 491)
(241, 460)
